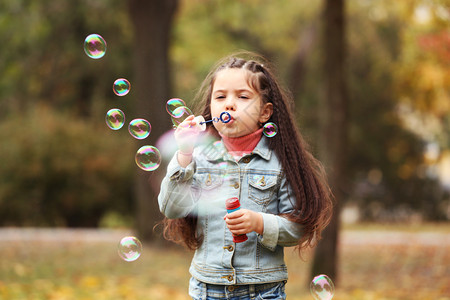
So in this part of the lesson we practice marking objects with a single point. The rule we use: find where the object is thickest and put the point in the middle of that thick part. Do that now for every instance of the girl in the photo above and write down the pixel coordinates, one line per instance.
(285, 199)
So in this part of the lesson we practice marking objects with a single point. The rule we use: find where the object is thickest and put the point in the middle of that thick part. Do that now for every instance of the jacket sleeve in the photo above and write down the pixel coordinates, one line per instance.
(278, 230)
(175, 199)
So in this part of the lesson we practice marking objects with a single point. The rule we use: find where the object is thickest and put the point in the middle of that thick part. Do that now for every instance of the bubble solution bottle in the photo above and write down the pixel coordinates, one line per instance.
(233, 204)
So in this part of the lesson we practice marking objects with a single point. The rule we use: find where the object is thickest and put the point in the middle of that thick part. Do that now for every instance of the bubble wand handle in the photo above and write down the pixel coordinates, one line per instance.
(201, 123)
(233, 204)
(225, 117)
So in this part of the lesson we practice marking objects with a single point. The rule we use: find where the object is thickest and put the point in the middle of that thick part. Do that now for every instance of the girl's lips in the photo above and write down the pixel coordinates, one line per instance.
(225, 118)
(231, 120)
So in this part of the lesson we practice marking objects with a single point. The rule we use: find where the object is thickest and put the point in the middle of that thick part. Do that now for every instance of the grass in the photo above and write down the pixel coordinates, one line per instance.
(93, 270)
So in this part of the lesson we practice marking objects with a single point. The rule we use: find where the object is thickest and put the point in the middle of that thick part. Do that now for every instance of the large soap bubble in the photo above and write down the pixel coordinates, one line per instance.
(95, 46)
(115, 118)
(180, 114)
(129, 248)
(139, 128)
(121, 87)
(148, 158)
(173, 104)
(322, 287)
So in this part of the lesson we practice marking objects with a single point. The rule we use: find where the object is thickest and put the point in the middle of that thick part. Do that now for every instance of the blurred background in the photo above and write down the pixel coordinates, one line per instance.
(371, 84)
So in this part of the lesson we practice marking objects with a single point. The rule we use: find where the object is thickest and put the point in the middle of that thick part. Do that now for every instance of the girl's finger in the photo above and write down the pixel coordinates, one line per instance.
(236, 227)
(232, 221)
(235, 214)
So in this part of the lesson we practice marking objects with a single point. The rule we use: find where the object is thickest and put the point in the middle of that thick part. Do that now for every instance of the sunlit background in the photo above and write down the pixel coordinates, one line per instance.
(62, 168)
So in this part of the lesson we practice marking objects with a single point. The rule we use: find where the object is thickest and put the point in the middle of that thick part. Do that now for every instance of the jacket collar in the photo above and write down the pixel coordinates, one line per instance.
(262, 148)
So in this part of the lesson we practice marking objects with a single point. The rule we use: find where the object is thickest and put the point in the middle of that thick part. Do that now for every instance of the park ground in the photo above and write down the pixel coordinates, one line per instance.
(376, 262)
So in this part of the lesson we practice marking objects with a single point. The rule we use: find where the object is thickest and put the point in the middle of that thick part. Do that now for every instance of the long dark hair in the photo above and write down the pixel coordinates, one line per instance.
(303, 172)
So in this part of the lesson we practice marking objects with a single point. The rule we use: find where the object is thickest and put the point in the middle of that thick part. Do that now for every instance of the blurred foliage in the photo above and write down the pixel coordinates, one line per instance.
(60, 164)
(392, 174)
(392, 178)
(398, 63)
(62, 171)
(44, 61)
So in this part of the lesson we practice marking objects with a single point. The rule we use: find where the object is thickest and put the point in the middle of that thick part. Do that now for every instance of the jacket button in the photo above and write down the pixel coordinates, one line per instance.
(230, 248)
(208, 180)
(230, 277)
(246, 159)
(236, 185)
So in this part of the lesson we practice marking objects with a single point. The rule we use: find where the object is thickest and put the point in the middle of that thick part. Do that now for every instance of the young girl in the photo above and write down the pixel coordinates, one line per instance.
(285, 199)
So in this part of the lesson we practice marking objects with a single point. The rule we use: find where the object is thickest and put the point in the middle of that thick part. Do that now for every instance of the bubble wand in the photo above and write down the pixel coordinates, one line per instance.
(225, 117)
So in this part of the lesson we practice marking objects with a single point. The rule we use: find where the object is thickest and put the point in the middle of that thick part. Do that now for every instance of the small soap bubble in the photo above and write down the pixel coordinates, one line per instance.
(95, 46)
(121, 87)
(181, 111)
(148, 158)
(270, 129)
(219, 148)
(139, 128)
(225, 171)
(115, 118)
(322, 287)
(180, 114)
(173, 104)
(218, 143)
(130, 248)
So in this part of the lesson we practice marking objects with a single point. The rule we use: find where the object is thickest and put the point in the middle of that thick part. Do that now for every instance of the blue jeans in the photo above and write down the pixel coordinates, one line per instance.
(203, 291)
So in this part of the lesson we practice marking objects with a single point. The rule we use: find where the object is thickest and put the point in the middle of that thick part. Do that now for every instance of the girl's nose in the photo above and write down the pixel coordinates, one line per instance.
(230, 104)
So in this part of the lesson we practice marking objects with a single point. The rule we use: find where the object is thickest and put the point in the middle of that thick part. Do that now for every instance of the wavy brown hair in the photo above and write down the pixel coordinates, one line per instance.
(304, 173)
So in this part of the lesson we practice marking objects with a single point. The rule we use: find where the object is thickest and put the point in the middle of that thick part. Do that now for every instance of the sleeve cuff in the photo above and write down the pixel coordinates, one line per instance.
(176, 173)
(269, 238)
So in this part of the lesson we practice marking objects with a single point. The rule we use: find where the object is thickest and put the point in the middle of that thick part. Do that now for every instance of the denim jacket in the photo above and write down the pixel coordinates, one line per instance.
(201, 189)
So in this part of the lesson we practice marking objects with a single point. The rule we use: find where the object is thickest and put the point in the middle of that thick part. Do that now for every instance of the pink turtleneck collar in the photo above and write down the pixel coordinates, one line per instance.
(242, 145)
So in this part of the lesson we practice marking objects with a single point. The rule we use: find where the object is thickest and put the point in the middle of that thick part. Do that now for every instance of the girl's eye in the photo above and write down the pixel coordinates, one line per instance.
(243, 97)
(220, 97)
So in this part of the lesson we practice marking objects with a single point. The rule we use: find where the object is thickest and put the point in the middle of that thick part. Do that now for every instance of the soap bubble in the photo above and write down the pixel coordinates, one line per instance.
(270, 129)
(180, 114)
(322, 288)
(219, 148)
(121, 87)
(139, 128)
(130, 248)
(173, 104)
(218, 144)
(94, 46)
(115, 118)
(148, 158)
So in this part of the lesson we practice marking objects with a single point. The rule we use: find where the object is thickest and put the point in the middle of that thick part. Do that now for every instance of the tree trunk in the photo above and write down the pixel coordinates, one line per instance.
(305, 45)
(152, 21)
(334, 124)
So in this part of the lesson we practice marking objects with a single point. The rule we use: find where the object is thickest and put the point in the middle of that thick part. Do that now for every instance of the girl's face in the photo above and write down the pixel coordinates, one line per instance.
(231, 93)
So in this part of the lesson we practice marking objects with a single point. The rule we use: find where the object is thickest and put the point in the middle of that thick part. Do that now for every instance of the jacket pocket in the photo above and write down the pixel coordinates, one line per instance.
(261, 187)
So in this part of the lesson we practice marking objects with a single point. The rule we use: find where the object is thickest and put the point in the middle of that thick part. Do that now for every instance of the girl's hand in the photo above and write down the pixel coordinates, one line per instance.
(244, 221)
(186, 136)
